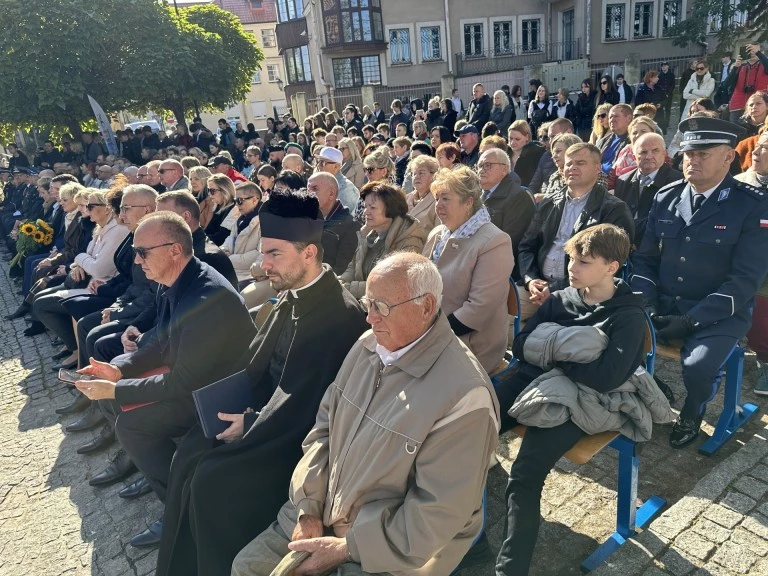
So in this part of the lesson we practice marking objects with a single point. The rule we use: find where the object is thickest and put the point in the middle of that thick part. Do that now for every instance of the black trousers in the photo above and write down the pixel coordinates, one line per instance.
(540, 450)
(147, 434)
(47, 309)
(90, 330)
(106, 348)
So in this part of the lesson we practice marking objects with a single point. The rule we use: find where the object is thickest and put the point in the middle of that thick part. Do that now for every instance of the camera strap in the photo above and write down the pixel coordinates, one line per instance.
(750, 67)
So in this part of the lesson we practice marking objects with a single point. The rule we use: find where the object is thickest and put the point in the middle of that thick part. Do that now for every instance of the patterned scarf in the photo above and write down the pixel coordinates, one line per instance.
(466, 230)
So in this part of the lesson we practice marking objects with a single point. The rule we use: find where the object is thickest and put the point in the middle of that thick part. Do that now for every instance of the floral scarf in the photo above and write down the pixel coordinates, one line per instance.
(466, 230)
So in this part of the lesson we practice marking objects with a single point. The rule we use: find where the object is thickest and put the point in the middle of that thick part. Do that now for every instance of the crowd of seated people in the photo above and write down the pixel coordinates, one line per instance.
(340, 228)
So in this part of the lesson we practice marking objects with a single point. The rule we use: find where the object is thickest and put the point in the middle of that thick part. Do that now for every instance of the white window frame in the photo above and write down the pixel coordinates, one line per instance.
(654, 20)
(712, 28)
(273, 42)
(542, 36)
(270, 68)
(514, 26)
(484, 44)
(256, 114)
(683, 10)
(443, 46)
(256, 78)
(627, 21)
(411, 43)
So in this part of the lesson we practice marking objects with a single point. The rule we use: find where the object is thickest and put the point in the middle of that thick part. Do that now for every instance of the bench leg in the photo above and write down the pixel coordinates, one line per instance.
(628, 516)
(734, 415)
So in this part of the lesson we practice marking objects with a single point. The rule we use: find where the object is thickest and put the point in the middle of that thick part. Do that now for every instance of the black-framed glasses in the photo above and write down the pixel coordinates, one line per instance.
(124, 207)
(213, 190)
(383, 308)
(164, 170)
(142, 252)
(484, 165)
(602, 115)
(240, 201)
(92, 206)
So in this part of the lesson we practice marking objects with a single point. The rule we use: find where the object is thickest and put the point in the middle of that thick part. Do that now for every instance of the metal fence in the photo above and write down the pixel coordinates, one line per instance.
(385, 94)
(517, 57)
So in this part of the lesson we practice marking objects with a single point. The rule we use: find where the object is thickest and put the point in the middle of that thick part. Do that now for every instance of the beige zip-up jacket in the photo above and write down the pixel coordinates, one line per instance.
(397, 460)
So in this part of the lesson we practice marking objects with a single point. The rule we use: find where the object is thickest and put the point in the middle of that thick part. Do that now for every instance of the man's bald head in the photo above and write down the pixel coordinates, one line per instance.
(294, 162)
(326, 188)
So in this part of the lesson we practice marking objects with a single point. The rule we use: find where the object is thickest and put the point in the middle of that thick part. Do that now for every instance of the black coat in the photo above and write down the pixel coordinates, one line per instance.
(585, 112)
(237, 489)
(190, 337)
(479, 111)
(526, 164)
(601, 208)
(627, 188)
(215, 232)
(611, 97)
(339, 238)
(449, 120)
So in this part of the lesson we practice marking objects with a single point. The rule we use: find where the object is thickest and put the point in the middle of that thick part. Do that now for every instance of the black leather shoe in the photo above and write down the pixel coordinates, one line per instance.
(20, 312)
(90, 419)
(120, 467)
(136, 489)
(104, 440)
(35, 328)
(150, 536)
(63, 354)
(684, 432)
(78, 405)
(64, 366)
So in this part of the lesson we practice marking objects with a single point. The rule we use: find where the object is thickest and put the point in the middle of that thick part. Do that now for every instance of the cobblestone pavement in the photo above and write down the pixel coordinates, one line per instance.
(53, 523)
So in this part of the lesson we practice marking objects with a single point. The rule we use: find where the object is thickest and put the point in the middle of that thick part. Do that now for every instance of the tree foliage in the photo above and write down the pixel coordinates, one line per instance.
(734, 20)
(133, 55)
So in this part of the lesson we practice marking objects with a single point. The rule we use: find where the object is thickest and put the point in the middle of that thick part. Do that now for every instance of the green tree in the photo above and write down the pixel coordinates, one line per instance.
(128, 54)
(734, 20)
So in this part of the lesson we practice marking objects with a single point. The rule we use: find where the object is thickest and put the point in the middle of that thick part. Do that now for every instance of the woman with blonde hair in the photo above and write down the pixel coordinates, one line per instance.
(475, 260)
(600, 123)
(378, 167)
(501, 111)
(242, 245)
(421, 202)
(525, 153)
(352, 166)
(556, 182)
(198, 184)
(224, 218)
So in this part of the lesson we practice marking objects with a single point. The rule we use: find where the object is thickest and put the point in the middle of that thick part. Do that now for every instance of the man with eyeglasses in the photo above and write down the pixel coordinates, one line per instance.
(171, 174)
(222, 495)
(253, 161)
(511, 208)
(330, 160)
(410, 421)
(153, 176)
(191, 338)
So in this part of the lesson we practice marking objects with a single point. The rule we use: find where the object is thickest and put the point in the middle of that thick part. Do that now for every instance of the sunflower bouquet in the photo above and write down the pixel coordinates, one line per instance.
(34, 237)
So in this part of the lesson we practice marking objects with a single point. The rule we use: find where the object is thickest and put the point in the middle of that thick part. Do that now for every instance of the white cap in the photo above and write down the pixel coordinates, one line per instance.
(331, 155)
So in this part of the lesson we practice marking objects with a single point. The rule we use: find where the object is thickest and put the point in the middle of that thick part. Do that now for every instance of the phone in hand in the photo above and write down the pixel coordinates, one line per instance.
(71, 376)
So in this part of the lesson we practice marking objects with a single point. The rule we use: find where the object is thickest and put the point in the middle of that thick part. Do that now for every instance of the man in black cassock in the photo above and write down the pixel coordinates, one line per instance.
(224, 492)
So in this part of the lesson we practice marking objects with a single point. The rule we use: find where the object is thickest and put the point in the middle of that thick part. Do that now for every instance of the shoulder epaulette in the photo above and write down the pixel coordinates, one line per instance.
(753, 191)
(671, 185)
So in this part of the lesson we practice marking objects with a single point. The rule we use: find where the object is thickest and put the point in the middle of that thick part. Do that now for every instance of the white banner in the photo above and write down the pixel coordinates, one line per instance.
(105, 127)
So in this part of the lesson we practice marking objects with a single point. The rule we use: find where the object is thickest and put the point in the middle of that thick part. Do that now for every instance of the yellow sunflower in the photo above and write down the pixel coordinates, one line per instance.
(27, 229)
(38, 236)
(48, 239)
(44, 226)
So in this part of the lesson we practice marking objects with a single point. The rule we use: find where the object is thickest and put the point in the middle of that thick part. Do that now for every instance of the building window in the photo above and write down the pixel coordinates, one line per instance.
(289, 10)
(297, 64)
(256, 78)
(672, 16)
(352, 21)
(255, 4)
(259, 109)
(643, 23)
(502, 38)
(473, 39)
(430, 44)
(268, 38)
(349, 72)
(614, 21)
(273, 72)
(531, 39)
(400, 46)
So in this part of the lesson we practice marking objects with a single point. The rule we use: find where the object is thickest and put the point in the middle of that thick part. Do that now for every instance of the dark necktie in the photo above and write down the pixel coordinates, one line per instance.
(698, 200)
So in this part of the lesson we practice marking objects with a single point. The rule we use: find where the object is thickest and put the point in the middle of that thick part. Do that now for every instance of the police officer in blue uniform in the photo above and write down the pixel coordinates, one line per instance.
(701, 261)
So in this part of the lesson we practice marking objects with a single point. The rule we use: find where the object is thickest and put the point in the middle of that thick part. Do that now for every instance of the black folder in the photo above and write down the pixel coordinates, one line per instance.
(231, 395)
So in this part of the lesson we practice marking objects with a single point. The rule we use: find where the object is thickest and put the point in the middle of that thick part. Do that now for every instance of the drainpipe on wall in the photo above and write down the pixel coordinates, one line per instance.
(449, 52)
(588, 27)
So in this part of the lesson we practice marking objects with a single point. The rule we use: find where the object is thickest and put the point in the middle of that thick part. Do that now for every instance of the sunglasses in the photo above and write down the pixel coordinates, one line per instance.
(213, 190)
(92, 206)
(142, 252)
(603, 82)
(602, 115)
(240, 201)
(370, 170)
(164, 170)
(700, 69)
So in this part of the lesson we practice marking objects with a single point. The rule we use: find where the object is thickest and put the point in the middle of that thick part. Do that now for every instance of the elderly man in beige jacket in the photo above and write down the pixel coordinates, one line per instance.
(391, 482)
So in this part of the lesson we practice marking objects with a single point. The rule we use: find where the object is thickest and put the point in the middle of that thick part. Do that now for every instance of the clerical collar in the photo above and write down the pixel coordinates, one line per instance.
(388, 358)
(315, 281)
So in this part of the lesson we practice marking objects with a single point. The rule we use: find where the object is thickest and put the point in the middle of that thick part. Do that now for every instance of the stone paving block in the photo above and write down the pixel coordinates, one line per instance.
(711, 531)
(757, 524)
(677, 518)
(735, 557)
(723, 516)
(738, 502)
(751, 487)
(693, 544)
(750, 540)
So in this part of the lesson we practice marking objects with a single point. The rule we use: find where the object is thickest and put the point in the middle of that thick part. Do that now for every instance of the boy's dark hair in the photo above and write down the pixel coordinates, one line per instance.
(605, 241)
